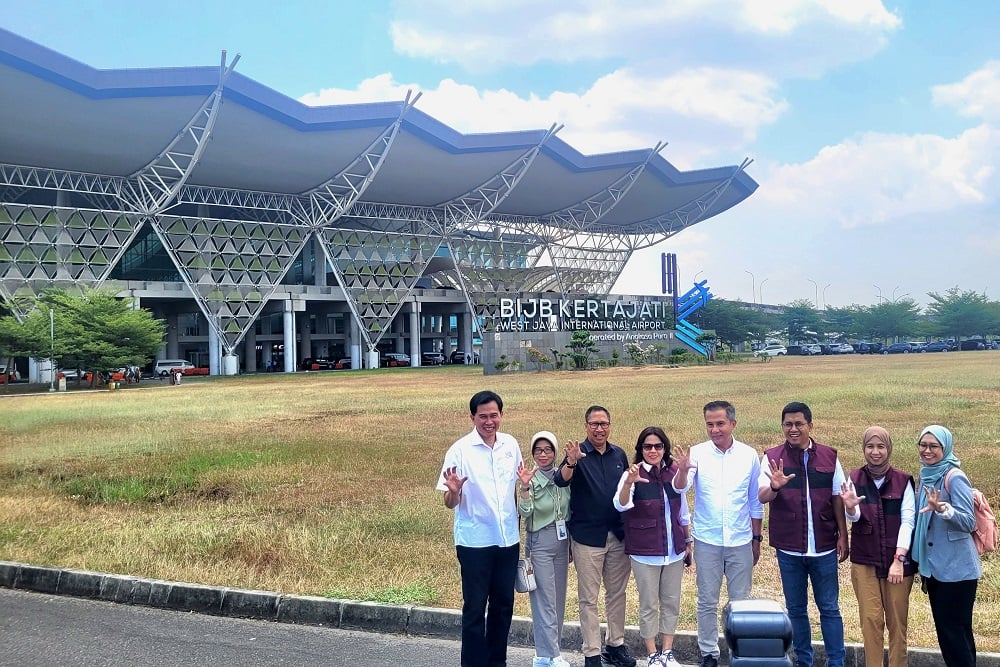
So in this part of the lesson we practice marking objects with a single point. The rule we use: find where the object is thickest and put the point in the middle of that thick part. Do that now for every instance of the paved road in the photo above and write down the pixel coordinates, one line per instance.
(39, 630)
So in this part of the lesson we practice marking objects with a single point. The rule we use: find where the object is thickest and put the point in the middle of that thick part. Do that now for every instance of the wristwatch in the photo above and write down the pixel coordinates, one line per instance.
(758, 538)
(900, 557)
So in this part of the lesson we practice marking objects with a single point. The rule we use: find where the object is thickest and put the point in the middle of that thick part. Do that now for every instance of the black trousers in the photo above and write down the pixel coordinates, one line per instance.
(951, 605)
(488, 603)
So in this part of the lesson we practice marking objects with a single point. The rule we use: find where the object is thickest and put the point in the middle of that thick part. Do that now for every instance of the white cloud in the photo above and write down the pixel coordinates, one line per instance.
(698, 111)
(883, 178)
(975, 96)
(803, 37)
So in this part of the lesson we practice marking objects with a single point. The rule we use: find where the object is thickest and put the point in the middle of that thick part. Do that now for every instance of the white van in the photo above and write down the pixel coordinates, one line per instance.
(162, 367)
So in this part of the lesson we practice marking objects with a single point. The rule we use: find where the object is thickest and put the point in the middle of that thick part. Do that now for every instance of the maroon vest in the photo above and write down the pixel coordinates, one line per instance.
(873, 536)
(646, 523)
(788, 526)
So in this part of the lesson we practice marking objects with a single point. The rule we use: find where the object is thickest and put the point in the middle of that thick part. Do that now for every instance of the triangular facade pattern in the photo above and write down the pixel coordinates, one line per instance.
(377, 271)
(231, 266)
(43, 247)
(488, 268)
(588, 270)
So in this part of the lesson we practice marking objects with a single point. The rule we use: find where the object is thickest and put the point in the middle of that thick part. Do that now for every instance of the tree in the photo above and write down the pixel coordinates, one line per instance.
(93, 330)
(843, 322)
(891, 319)
(733, 323)
(581, 346)
(801, 320)
(957, 314)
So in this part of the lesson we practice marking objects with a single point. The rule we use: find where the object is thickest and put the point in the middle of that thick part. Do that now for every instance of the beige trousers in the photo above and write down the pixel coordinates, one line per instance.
(882, 606)
(594, 565)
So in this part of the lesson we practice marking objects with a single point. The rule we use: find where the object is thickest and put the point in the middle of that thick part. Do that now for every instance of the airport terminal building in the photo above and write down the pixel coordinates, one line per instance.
(264, 231)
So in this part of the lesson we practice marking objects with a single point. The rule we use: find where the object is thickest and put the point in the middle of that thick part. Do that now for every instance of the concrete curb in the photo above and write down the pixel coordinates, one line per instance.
(346, 614)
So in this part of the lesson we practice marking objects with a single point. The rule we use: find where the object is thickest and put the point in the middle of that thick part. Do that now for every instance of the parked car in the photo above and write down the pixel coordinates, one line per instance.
(343, 364)
(771, 350)
(457, 357)
(898, 348)
(8, 376)
(797, 350)
(431, 359)
(973, 344)
(812, 349)
(937, 346)
(844, 348)
(864, 347)
(162, 367)
(393, 359)
(317, 364)
(917, 346)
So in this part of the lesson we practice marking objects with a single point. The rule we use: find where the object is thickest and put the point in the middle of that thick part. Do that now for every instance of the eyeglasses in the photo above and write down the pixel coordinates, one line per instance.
(543, 450)
(597, 426)
(927, 447)
(658, 446)
(791, 425)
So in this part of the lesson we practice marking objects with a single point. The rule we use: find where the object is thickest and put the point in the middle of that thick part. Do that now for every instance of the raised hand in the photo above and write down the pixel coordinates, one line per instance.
(778, 476)
(573, 453)
(524, 473)
(850, 497)
(934, 502)
(453, 481)
(633, 475)
(682, 457)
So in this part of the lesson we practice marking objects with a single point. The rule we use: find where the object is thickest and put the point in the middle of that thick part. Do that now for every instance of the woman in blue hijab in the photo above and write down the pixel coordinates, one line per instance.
(947, 558)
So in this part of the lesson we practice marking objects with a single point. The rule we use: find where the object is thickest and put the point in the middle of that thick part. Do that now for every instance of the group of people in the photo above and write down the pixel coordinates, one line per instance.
(614, 518)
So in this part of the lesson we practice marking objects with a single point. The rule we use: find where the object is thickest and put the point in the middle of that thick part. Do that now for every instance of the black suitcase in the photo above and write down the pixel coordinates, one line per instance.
(758, 634)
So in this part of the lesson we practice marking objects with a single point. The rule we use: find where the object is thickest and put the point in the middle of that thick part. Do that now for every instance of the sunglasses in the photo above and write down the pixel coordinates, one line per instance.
(657, 446)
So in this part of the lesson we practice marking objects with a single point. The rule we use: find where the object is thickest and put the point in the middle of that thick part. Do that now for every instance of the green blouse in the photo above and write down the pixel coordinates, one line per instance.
(546, 503)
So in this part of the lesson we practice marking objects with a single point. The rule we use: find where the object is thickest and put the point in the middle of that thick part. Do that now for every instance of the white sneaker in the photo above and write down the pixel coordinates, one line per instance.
(541, 662)
(667, 659)
(560, 661)
(655, 660)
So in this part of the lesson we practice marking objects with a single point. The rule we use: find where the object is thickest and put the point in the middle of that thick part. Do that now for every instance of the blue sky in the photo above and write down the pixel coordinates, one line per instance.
(874, 126)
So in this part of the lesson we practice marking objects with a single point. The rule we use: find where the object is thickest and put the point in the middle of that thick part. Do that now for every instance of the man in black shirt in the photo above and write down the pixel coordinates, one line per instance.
(592, 470)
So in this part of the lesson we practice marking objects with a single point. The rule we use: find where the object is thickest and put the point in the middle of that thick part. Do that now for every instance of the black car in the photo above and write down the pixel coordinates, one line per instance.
(317, 364)
(898, 348)
(431, 359)
(937, 346)
(974, 344)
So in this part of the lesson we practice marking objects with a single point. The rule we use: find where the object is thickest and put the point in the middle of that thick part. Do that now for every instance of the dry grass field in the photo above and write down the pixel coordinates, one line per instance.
(323, 483)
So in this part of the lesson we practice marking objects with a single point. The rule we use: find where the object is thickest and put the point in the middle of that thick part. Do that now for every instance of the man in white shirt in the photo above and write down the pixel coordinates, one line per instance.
(727, 518)
(478, 479)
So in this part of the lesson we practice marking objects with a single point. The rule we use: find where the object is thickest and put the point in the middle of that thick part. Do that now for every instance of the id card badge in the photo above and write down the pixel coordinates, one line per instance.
(560, 529)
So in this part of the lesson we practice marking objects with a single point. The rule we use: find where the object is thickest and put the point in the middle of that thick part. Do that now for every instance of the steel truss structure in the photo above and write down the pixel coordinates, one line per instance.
(377, 251)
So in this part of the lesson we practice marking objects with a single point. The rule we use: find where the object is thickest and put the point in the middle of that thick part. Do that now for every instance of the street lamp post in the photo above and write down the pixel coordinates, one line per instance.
(824, 295)
(879, 295)
(816, 285)
(753, 286)
(761, 288)
(696, 276)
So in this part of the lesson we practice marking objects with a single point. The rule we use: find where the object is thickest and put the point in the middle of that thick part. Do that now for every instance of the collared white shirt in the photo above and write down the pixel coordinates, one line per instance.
(684, 519)
(725, 493)
(907, 515)
(486, 514)
(838, 480)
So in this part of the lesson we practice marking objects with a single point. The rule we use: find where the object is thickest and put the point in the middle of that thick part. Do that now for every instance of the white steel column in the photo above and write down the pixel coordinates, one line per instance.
(355, 343)
(214, 352)
(288, 332)
(415, 333)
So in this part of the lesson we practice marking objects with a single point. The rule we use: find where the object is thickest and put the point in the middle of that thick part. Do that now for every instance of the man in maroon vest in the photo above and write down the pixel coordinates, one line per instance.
(802, 481)
(881, 507)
